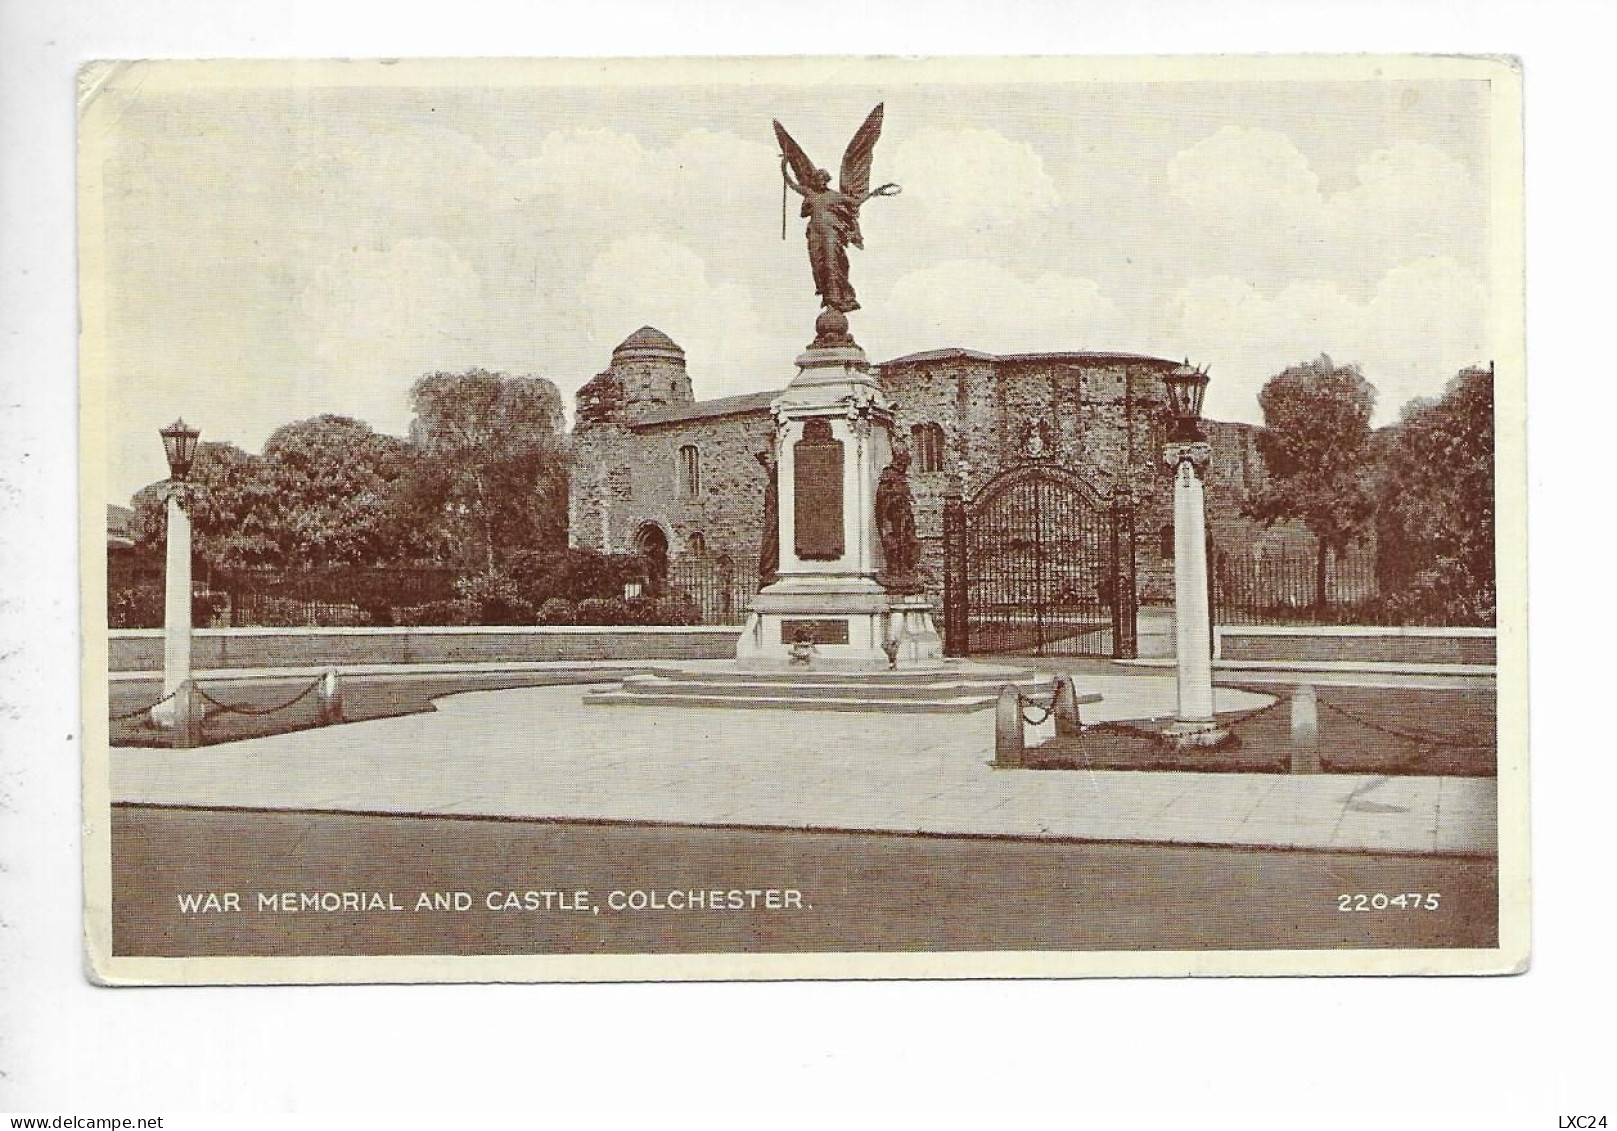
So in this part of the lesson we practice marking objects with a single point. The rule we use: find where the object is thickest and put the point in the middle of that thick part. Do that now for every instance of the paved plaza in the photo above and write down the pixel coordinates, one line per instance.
(538, 753)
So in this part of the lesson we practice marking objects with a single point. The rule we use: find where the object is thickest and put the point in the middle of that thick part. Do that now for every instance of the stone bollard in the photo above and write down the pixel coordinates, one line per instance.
(330, 693)
(1305, 731)
(188, 709)
(1008, 746)
(1068, 723)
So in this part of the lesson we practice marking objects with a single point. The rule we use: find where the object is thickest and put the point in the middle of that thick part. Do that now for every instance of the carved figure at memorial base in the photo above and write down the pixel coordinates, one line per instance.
(769, 545)
(895, 524)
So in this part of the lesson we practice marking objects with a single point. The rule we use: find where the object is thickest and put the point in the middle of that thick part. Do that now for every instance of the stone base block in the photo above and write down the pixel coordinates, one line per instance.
(910, 627)
(832, 625)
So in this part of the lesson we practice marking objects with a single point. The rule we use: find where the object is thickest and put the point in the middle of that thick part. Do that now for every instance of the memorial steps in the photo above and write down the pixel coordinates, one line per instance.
(954, 688)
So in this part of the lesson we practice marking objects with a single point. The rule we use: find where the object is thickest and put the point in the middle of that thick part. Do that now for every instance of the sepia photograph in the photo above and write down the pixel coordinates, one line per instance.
(810, 518)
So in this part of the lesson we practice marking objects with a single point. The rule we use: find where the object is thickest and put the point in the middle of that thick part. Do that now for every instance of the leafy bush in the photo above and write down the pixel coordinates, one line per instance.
(1430, 597)
(616, 611)
(377, 613)
(573, 574)
(493, 599)
(135, 607)
(637, 611)
(557, 610)
(677, 610)
(207, 609)
(598, 610)
(455, 612)
(279, 612)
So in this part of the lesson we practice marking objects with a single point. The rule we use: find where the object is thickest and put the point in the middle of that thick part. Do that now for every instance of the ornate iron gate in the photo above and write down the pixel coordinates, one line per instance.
(1039, 563)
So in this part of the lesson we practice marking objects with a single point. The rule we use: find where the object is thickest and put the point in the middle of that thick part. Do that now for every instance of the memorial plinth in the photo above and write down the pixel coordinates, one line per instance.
(826, 608)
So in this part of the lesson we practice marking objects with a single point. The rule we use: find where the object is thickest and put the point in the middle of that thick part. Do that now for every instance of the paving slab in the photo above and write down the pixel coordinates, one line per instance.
(540, 753)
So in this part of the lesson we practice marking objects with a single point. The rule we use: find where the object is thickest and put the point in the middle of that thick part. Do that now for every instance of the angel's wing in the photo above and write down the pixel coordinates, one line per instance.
(802, 167)
(856, 161)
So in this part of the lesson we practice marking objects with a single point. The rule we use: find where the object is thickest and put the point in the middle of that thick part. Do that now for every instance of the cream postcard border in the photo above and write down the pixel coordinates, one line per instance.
(103, 86)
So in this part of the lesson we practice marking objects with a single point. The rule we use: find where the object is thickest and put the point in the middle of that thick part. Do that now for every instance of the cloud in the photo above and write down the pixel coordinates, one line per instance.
(972, 178)
(978, 304)
(648, 280)
(1415, 196)
(1423, 322)
(370, 322)
(701, 185)
(273, 253)
(412, 179)
(1255, 208)
(1242, 169)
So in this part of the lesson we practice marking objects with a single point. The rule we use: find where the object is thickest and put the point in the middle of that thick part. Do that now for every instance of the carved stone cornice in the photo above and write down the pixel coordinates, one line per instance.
(1197, 453)
(861, 406)
(183, 493)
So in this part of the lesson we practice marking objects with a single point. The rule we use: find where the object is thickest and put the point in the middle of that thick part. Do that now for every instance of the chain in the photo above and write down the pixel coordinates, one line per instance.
(142, 710)
(1231, 720)
(237, 709)
(1407, 735)
(1045, 709)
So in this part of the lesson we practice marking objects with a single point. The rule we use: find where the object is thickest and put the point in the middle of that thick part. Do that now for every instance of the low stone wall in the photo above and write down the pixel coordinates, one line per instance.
(1359, 644)
(142, 649)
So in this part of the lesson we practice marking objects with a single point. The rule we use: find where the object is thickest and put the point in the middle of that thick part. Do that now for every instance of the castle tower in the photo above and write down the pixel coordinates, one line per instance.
(647, 372)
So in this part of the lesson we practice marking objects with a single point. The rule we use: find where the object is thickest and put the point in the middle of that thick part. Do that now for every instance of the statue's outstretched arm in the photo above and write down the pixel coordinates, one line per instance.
(786, 175)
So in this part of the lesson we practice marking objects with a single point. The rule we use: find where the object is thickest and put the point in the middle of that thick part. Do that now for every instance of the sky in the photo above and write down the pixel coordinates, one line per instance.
(276, 250)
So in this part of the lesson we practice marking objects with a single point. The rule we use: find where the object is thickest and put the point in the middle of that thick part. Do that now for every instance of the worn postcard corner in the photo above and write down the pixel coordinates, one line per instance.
(605, 520)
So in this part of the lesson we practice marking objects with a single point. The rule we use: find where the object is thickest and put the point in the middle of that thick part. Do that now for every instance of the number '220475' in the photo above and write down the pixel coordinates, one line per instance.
(1381, 901)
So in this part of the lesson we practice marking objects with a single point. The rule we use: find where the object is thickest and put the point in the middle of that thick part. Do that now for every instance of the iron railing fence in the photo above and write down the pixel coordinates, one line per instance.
(346, 596)
(332, 597)
(718, 589)
(1281, 587)
(702, 589)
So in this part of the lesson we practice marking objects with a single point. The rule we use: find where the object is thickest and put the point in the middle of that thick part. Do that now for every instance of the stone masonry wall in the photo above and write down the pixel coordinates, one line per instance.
(727, 511)
(627, 477)
(1104, 414)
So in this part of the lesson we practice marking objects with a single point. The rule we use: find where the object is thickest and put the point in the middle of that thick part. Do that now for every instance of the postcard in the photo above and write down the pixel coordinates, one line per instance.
(802, 518)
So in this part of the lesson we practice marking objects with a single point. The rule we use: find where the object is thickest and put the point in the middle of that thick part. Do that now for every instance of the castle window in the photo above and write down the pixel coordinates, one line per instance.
(696, 544)
(926, 442)
(690, 471)
(1165, 542)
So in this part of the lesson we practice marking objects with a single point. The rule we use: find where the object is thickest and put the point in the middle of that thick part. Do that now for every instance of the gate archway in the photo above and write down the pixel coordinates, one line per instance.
(651, 543)
(1039, 563)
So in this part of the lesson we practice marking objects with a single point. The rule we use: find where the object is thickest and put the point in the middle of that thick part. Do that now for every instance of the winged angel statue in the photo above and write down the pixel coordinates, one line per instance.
(833, 214)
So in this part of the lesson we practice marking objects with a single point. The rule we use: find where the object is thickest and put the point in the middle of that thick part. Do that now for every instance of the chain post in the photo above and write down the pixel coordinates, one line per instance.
(1009, 750)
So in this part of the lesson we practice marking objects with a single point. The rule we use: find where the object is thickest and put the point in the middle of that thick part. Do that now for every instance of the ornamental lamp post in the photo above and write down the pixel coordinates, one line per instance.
(174, 712)
(1187, 386)
(180, 446)
(1188, 454)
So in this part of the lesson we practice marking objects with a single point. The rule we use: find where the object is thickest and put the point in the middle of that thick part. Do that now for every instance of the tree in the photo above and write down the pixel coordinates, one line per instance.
(1315, 444)
(232, 507)
(334, 480)
(1435, 522)
(494, 471)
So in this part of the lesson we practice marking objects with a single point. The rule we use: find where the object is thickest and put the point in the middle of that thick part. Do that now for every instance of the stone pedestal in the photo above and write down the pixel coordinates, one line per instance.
(912, 633)
(1193, 633)
(826, 608)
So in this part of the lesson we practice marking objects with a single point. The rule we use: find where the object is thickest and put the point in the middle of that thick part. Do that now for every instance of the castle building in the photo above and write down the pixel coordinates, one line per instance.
(659, 472)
